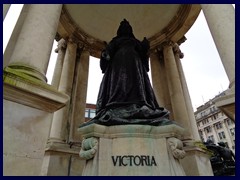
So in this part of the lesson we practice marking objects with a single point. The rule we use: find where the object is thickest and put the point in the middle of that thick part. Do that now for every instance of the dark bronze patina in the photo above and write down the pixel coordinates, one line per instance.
(126, 95)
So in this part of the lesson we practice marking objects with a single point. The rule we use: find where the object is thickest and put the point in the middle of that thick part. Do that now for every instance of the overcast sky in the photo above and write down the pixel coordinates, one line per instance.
(202, 66)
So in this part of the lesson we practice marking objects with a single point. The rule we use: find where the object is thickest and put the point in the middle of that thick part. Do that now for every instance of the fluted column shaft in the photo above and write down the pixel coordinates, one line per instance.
(175, 89)
(33, 47)
(80, 95)
(60, 118)
(61, 49)
(191, 118)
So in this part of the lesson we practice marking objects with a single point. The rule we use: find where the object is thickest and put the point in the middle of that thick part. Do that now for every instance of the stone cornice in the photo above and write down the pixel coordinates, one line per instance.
(97, 130)
(62, 147)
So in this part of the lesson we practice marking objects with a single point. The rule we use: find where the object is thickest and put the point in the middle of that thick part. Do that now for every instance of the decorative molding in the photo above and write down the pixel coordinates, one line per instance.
(62, 147)
(177, 51)
(27, 71)
(89, 148)
(29, 91)
(176, 147)
(144, 131)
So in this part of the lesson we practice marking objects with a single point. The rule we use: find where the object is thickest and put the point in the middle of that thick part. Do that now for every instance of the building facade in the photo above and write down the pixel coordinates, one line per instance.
(90, 111)
(213, 124)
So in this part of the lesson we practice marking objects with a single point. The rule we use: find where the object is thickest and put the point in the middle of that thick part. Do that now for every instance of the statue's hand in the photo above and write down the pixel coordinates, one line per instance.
(105, 55)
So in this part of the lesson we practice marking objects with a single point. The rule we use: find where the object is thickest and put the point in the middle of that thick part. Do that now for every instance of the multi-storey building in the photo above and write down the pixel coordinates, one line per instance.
(213, 124)
(90, 111)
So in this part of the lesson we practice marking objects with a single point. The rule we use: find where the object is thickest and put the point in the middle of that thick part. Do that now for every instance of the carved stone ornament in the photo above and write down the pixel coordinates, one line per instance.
(177, 50)
(177, 148)
(89, 148)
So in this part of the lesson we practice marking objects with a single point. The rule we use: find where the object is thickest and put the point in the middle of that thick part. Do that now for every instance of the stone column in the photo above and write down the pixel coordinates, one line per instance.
(14, 36)
(33, 48)
(159, 80)
(79, 95)
(229, 135)
(191, 118)
(204, 134)
(221, 22)
(226, 132)
(175, 90)
(216, 138)
(61, 49)
(59, 125)
(5, 9)
(61, 155)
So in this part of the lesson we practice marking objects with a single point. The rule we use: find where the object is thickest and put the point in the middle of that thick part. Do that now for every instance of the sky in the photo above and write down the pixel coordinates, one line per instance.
(204, 71)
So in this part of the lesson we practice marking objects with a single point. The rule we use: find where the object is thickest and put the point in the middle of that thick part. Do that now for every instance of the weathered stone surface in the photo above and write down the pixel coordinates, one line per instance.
(133, 150)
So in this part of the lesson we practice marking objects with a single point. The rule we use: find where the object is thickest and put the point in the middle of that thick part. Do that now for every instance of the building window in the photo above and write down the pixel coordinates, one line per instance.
(205, 121)
(90, 113)
(198, 124)
(86, 113)
(215, 116)
(221, 135)
(229, 121)
(226, 144)
(208, 129)
(232, 130)
(218, 125)
(211, 138)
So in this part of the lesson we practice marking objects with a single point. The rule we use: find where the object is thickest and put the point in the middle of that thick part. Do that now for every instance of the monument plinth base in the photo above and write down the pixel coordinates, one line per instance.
(132, 150)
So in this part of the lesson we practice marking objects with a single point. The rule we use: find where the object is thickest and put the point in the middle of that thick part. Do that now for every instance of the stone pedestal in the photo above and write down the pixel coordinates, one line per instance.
(132, 150)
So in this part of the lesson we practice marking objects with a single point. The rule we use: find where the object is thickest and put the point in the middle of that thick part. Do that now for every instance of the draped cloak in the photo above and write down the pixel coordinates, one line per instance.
(125, 94)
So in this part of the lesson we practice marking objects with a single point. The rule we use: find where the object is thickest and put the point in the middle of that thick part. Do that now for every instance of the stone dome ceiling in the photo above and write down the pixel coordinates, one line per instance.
(95, 23)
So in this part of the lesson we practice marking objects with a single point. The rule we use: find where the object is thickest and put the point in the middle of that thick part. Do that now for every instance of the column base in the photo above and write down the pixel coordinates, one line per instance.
(197, 161)
(132, 150)
(31, 92)
(61, 159)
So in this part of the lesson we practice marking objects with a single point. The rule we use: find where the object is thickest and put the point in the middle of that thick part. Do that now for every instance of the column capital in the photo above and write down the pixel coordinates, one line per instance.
(167, 43)
(61, 45)
(160, 47)
(177, 50)
(72, 39)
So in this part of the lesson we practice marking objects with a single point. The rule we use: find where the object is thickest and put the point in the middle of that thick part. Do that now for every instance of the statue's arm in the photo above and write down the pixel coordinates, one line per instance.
(145, 46)
(106, 56)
